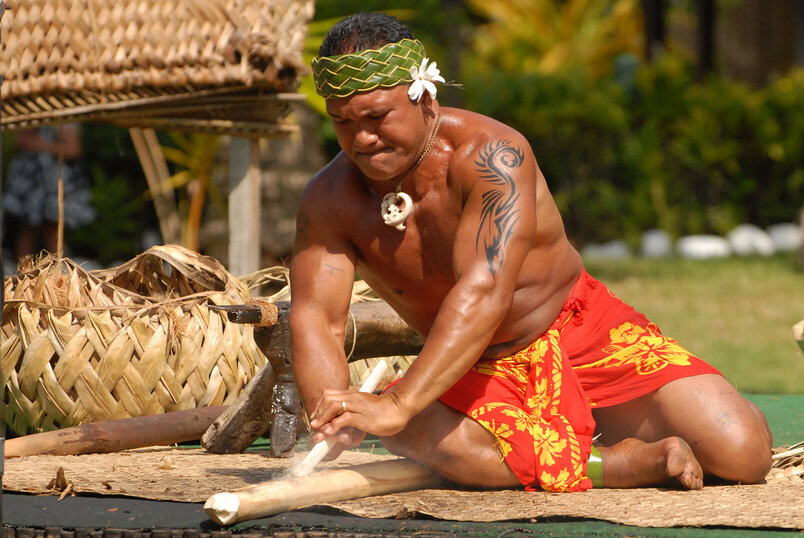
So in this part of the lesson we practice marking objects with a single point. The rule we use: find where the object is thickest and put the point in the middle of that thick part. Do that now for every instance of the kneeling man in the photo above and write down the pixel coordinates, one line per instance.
(447, 216)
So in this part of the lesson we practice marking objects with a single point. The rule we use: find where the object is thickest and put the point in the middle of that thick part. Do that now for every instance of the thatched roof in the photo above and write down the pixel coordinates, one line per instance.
(226, 65)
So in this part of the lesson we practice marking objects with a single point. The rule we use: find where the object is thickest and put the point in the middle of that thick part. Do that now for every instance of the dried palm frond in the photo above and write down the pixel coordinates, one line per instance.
(788, 464)
(277, 281)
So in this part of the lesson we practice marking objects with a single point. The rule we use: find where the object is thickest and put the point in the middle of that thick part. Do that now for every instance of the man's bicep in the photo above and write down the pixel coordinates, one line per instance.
(499, 218)
(322, 272)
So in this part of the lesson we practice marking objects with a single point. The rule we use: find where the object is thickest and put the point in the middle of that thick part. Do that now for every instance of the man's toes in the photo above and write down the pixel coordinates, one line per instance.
(682, 465)
(690, 480)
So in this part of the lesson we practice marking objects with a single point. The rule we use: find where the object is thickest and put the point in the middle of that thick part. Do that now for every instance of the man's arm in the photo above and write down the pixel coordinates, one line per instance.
(495, 233)
(322, 276)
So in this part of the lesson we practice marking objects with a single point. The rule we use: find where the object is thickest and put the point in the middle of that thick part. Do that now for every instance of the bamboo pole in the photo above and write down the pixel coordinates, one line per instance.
(376, 478)
(157, 175)
(60, 225)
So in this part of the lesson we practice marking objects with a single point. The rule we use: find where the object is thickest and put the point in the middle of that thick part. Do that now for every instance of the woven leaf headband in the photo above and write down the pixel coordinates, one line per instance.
(341, 76)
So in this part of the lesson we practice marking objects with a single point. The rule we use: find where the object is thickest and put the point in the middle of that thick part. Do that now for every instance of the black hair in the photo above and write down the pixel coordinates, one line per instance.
(363, 31)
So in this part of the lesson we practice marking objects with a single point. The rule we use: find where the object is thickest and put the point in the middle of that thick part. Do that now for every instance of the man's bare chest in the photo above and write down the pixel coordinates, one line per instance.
(416, 261)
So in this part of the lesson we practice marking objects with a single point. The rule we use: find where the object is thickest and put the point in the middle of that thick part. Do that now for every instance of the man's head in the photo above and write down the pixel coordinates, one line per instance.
(363, 31)
(374, 77)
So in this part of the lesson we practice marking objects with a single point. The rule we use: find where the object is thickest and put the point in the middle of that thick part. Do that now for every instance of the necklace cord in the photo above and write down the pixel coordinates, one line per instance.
(423, 155)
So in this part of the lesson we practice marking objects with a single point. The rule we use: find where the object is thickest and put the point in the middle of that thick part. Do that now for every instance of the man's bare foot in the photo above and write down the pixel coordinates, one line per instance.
(633, 463)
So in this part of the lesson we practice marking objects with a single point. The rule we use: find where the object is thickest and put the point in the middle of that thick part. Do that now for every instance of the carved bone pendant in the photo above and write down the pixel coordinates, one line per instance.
(396, 208)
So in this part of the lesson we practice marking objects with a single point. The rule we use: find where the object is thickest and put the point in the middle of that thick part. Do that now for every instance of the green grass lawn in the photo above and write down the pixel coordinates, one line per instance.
(735, 313)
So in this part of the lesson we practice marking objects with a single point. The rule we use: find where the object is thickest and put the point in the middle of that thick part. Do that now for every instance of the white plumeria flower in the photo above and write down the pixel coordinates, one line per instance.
(423, 78)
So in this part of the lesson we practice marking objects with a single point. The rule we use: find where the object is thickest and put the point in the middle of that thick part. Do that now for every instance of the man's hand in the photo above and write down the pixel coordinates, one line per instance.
(347, 415)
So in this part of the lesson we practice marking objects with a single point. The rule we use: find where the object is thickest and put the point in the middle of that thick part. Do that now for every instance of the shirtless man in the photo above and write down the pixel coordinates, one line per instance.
(522, 347)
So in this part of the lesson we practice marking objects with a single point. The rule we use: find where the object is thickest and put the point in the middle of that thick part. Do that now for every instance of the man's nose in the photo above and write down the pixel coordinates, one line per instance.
(365, 137)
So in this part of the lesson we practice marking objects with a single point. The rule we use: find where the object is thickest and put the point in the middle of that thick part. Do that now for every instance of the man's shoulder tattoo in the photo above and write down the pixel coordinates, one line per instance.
(498, 214)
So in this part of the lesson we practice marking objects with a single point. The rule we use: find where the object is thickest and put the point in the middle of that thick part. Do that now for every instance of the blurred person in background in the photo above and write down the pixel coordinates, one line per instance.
(31, 192)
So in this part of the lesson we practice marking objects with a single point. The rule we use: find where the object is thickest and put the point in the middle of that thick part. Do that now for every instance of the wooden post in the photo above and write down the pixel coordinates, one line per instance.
(244, 206)
(654, 13)
(706, 35)
(801, 246)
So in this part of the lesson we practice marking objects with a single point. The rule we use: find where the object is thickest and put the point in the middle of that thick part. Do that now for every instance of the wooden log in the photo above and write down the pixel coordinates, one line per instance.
(377, 478)
(246, 419)
(114, 435)
(380, 333)
(798, 333)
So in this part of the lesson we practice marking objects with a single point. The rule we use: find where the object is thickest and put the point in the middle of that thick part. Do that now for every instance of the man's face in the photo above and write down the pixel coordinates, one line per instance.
(382, 130)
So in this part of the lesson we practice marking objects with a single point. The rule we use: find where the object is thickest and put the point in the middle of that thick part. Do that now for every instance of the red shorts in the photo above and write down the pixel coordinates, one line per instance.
(537, 403)
(617, 354)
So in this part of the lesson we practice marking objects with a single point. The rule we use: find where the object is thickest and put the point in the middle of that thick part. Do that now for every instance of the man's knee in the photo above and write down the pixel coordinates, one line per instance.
(744, 454)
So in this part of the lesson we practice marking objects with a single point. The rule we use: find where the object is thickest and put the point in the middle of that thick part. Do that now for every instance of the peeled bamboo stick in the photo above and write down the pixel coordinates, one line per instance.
(322, 448)
(270, 498)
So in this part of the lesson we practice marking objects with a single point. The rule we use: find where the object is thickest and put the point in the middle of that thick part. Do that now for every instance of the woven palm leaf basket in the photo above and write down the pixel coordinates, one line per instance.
(138, 339)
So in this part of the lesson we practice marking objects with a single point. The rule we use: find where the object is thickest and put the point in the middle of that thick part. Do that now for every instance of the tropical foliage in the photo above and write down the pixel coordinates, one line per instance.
(626, 145)
(545, 36)
(194, 156)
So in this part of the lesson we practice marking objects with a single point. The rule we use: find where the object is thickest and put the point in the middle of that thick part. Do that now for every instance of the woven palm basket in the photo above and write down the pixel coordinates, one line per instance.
(135, 340)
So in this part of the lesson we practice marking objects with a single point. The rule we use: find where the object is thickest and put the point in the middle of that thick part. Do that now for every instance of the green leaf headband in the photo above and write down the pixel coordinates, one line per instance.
(394, 63)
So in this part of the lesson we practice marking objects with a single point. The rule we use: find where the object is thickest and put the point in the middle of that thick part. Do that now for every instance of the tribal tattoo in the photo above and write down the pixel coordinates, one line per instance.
(498, 214)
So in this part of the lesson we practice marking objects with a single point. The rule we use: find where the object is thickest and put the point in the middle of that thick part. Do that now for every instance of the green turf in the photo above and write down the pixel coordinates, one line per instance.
(785, 414)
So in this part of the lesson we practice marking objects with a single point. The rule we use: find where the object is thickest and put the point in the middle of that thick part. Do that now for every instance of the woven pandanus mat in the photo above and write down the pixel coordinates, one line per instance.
(192, 475)
(174, 59)
(138, 339)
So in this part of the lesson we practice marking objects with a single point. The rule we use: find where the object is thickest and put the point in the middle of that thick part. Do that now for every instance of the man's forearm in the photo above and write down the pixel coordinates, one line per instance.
(319, 363)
